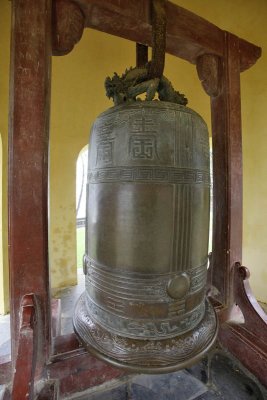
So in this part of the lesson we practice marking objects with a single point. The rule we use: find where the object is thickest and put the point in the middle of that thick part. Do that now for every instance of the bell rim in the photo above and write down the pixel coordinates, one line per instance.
(89, 342)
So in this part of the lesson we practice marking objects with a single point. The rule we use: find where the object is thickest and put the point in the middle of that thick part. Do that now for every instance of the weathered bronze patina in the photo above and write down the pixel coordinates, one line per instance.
(147, 230)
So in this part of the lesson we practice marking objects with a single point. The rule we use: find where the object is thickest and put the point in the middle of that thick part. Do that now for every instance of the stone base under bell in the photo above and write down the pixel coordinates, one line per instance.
(146, 356)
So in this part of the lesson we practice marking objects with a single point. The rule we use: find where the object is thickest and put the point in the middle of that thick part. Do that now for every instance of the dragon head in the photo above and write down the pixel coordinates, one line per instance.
(115, 89)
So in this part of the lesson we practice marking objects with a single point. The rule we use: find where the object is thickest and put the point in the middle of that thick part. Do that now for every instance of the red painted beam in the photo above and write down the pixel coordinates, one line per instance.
(64, 344)
(188, 36)
(247, 348)
(77, 372)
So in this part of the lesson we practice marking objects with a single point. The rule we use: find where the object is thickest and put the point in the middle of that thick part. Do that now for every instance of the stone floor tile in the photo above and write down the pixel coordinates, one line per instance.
(211, 395)
(140, 392)
(174, 386)
(5, 348)
(4, 328)
(230, 381)
(118, 393)
(69, 297)
(199, 370)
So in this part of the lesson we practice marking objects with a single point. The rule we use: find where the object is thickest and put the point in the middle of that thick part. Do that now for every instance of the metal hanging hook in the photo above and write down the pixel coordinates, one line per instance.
(158, 16)
(158, 38)
(141, 55)
(146, 78)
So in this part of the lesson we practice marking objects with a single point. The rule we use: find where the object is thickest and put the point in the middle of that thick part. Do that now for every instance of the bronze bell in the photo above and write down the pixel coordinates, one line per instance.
(147, 228)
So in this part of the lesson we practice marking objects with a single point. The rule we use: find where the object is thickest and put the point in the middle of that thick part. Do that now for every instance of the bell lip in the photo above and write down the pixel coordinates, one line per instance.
(135, 367)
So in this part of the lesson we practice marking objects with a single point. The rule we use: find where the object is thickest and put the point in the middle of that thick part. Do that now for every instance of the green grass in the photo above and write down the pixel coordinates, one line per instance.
(80, 246)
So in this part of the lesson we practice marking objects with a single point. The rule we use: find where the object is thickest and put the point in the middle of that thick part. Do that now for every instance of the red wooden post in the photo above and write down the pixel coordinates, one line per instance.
(227, 172)
(28, 161)
(247, 341)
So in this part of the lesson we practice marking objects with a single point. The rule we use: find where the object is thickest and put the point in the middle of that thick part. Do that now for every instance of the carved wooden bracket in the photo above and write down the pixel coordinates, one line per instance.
(255, 317)
(23, 383)
(68, 25)
(248, 340)
(208, 69)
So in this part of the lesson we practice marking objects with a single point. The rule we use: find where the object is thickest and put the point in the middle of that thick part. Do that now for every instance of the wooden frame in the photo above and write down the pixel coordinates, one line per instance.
(220, 57)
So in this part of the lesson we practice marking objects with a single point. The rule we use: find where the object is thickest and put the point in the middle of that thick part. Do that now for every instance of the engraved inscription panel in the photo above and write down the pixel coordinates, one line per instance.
(104, 142)
(104, 152)
(142, 355)
(143, 124)
(142, 147)
(145, 328)
(143, 141)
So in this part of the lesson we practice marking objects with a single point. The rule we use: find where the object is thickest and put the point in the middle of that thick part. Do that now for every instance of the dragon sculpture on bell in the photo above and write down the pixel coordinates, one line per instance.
(135, 81)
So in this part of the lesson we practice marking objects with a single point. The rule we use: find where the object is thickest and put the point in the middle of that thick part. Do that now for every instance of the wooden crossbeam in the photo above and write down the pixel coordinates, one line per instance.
(188, 36)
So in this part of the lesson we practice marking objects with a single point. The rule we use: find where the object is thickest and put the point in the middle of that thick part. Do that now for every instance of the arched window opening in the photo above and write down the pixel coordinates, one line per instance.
(5, 343)
(81, 176)
(211, 198)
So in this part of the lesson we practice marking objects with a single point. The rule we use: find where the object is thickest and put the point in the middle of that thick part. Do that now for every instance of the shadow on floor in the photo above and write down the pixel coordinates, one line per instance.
(227, 381)
(69, 297)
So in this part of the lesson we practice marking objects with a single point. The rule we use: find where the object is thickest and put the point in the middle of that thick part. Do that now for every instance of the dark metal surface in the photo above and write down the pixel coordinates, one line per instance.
(146, 356)
(147, 237)
(141, 55)
(159, 22)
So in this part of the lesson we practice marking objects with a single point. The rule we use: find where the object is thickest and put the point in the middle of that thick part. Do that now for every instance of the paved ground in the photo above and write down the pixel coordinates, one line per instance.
(228, 381)
(4, 335)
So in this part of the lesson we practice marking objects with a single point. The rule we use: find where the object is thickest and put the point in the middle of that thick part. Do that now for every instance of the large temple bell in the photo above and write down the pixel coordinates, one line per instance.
(147, 228)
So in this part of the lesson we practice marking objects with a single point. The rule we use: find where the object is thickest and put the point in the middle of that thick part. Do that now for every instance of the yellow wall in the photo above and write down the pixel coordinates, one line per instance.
(4, 72)
(78, 78)
(247, 19)
(78, 97)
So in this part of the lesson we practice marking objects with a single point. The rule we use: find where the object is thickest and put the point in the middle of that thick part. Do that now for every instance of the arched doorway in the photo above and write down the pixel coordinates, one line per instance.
(81, 176)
